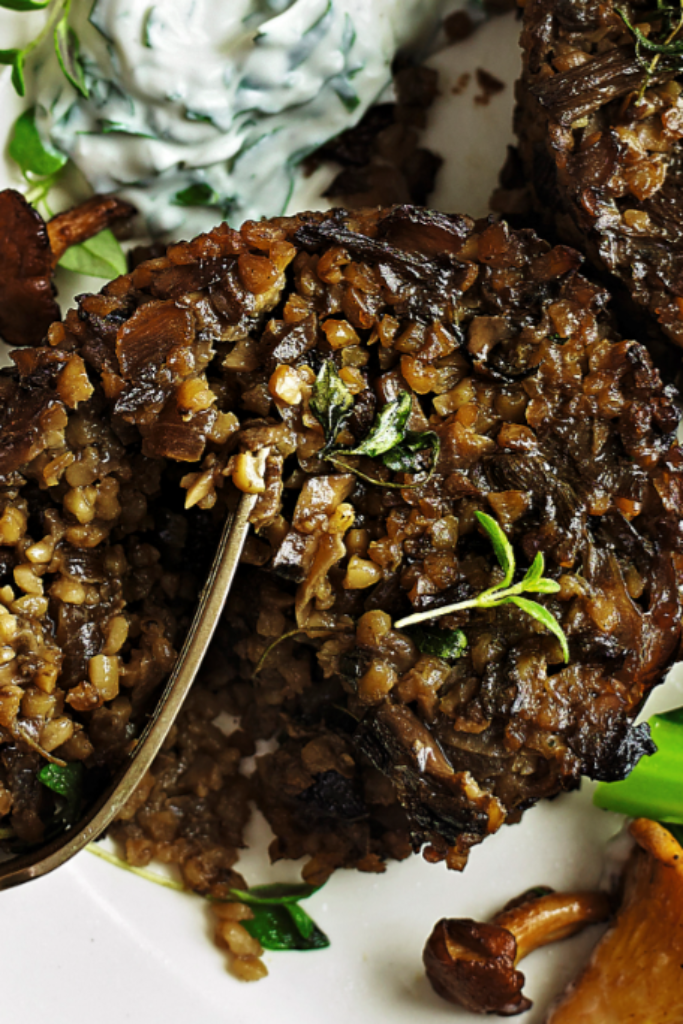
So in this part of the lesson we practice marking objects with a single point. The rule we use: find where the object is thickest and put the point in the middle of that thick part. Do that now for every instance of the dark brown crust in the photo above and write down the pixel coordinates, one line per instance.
(27, 303)
(603, 170)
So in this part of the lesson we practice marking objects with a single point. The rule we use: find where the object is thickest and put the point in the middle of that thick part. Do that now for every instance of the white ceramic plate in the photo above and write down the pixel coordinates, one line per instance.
(95, 943)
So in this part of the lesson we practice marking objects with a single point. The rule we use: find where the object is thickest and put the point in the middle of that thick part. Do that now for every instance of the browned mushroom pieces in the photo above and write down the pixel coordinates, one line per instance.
(85, 221)
(27, 304)
(474, 964)
(636, 971)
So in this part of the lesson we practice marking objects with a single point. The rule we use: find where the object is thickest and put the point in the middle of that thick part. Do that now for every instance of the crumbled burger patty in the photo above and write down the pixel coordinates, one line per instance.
(161, 392)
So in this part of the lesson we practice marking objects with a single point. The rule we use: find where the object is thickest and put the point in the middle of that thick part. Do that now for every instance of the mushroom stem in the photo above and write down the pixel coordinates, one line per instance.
(551, 918)
(475, 965)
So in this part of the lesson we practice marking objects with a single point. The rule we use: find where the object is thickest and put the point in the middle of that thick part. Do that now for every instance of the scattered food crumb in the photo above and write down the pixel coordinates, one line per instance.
(489, 85)
(461, 84)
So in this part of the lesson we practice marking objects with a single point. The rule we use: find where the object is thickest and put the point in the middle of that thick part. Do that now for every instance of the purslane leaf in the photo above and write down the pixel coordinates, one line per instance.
(388, 430)
(331, 403)
(67, 48)
(100, 256)
(28, 149)
(16, 59)
(542, 615)
(501, 547)
(276, 929)
(303, 922)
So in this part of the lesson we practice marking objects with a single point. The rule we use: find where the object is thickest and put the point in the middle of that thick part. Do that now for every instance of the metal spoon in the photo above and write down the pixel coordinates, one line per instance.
(212, 599)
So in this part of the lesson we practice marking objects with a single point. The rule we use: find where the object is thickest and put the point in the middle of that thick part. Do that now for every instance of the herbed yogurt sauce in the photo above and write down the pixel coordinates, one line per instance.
(199, 109)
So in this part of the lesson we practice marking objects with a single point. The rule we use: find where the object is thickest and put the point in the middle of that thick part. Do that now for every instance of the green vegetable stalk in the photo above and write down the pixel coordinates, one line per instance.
(654, 789)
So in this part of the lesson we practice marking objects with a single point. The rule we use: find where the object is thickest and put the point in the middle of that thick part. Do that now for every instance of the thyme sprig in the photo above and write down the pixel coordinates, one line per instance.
(505, 592)
(668, 45)
(388, 439)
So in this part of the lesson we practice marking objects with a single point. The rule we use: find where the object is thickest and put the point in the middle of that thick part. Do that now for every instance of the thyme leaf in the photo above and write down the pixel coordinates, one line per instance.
(388, 430)
(505, 592)
(331, 403)
(667, 46)
(388, 438)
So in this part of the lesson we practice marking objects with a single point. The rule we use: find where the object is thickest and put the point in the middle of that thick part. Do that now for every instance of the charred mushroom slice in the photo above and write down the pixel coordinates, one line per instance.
(475, 965)
(636, 969)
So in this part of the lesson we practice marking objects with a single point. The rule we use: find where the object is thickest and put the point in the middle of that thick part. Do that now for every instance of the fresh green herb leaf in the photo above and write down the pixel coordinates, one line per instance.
(28, 149)
(543, 587)
(533, 582)
(535, 570)
(443, 643)
(341, 85)
(331, 403)
(101, 256)
(24, 5)
(503, 592)
(67, 47)
(276, 893)
(402, 457)
(16, 58)
(109, 127)
(653, 789)
(146, 27)
(276, 929)
(67, 782)
(388, 430)
(311, 37)
(542, 615)
(303, 922)
(668, 47)
(501, 547)
(199, 194)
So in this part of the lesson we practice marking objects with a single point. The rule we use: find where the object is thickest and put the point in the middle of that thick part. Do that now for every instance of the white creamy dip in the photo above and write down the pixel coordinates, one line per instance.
(204, 108)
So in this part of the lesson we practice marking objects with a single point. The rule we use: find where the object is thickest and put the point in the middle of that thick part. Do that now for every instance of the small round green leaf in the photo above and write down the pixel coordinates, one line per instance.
(28, 149)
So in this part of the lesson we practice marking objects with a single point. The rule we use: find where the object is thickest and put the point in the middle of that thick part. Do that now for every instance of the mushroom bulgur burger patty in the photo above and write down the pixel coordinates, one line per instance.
(600, 122)
(443, 403)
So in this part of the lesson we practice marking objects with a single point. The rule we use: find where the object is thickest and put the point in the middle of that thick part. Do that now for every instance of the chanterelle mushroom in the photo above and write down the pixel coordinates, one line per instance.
(636, 971)
(475, 965)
